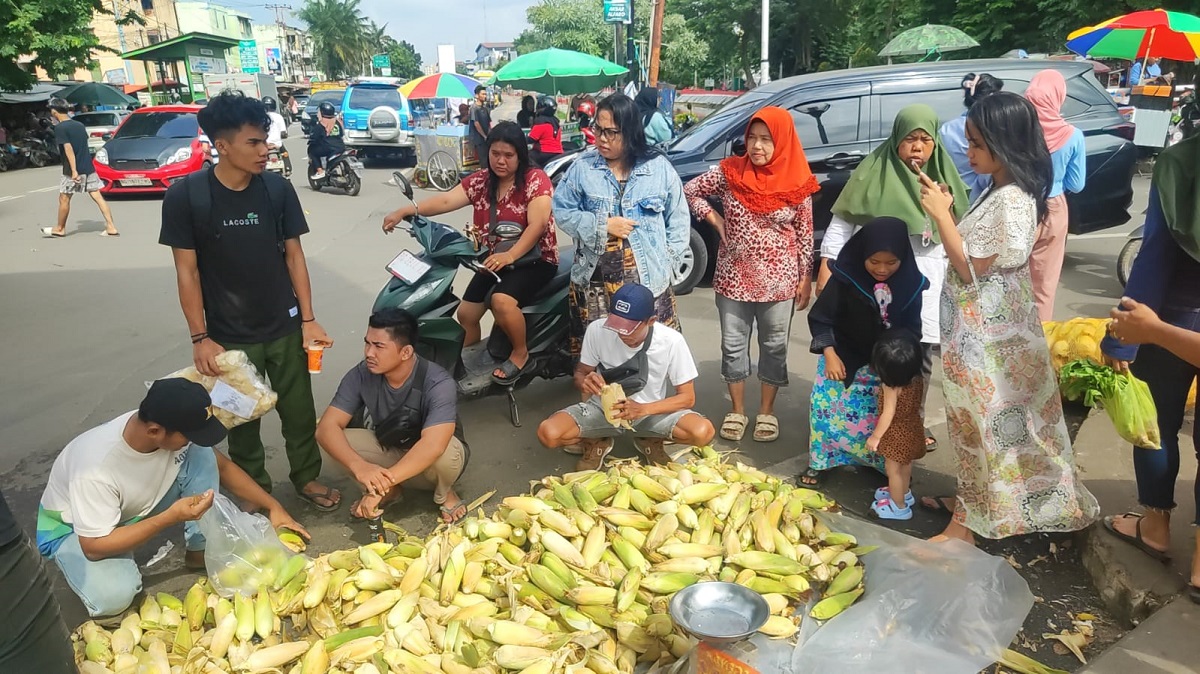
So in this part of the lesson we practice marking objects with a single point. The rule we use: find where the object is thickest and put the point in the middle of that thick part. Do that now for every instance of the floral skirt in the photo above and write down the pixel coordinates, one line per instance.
(841, 419)
(1016, 467)
(617, 266)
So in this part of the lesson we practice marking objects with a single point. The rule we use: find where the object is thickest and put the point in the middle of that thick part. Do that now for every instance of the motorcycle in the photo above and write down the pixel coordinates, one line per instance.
(275, 162)
(343, 171)
(1128, 254)
(36, 151)
(422, 284)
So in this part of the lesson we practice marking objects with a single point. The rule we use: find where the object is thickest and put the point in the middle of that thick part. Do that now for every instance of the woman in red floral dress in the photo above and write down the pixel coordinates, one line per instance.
(764, 259)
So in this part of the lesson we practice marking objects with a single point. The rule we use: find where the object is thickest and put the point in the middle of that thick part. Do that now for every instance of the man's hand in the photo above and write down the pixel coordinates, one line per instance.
(280, 519)
(374, 479)
(803, 293)
(873, 444)
(629, 409)
(368, 507)
(190, 508)
(1135, 323)
(204, 357)
(75, 176)
(312, 333)
(592, 383)
(391, 220)
(835, 369)
(620, 227)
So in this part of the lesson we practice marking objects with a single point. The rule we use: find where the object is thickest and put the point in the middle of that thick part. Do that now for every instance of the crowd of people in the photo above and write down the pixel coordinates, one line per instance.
(944, 251)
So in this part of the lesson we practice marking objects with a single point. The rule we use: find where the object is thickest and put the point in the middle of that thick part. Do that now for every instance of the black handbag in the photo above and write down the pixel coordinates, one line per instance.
(504, 235)
(631, 374)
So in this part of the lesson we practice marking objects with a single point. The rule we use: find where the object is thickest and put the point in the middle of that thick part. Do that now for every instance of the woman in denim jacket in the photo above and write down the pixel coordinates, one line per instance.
(622, 203)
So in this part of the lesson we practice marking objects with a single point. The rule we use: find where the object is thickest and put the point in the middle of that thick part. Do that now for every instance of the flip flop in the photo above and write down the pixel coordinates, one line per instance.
(931, 443)
(1136, 539)
(511, 373)
(733, 426)
(49, 233)
(327, 494)
(448, 513)
(939, 504)
(766, 428)
(108, 234)
(810, 478)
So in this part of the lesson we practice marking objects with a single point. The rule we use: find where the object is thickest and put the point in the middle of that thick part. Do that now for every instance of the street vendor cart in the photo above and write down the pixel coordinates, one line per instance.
(445, 155)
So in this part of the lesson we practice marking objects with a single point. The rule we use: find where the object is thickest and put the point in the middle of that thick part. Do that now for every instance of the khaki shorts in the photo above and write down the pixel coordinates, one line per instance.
(438, 478)
(589, 416)
(88, 182)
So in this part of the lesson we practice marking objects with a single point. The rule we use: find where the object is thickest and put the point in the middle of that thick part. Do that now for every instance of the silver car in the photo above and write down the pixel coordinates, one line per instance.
(99, 125)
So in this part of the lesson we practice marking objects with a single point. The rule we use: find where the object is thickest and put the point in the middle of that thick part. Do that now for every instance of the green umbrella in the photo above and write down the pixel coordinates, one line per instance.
(928, 40)
(95, 93)
(559, 71)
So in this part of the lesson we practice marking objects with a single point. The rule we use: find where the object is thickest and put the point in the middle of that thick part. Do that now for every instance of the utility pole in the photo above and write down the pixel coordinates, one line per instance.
(630, 50)
(656, 23)
(117, 16)
(766, 37)
(281, 32)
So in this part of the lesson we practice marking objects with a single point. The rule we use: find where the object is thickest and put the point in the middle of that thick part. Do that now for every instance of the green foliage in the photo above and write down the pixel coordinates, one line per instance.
(340, 33)
(57, 33)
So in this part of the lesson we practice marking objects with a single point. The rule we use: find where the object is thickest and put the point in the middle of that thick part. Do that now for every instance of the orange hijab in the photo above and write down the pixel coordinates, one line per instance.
(785, 181)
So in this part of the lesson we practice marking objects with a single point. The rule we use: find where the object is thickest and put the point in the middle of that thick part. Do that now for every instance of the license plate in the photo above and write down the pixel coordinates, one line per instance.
(358, 134)
(136, 182)
(271, 165)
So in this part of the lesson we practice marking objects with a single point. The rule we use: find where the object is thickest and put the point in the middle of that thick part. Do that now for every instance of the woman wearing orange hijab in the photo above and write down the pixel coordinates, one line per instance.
(764, 259)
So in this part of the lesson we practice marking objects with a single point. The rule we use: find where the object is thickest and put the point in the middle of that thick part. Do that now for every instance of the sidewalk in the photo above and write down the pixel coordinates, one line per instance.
(1166, 644)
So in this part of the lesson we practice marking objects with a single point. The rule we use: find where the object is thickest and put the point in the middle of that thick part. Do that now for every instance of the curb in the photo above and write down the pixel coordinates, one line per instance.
(1132, 584)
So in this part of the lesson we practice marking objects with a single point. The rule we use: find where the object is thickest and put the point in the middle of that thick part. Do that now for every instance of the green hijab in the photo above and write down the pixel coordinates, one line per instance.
(883, 186)
(1178, 183)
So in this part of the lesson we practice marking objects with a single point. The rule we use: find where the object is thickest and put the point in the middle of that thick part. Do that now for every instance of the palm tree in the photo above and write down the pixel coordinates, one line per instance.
(340, 33)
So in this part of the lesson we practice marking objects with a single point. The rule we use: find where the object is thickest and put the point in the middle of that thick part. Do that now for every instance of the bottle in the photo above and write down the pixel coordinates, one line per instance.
(375, 528)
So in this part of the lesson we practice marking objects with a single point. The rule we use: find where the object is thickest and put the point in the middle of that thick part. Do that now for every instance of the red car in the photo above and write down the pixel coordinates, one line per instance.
(153, 148)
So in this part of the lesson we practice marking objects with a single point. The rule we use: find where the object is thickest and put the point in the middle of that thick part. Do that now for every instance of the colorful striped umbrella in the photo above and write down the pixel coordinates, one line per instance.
(1153, 32)
(441, 85)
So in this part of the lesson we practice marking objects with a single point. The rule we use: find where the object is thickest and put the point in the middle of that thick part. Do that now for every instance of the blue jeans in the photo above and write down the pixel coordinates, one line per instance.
(108, 586)
(1169, 378)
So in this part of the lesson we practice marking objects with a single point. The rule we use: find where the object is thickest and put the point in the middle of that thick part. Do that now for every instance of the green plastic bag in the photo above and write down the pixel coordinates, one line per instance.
(1125, 398)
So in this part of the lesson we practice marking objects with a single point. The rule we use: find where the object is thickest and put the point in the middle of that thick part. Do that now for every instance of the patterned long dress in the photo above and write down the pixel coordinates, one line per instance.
(1016, 467)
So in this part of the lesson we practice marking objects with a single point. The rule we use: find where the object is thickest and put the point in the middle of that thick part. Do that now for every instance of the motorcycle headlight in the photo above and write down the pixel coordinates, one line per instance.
(101, 156)
(182, 154)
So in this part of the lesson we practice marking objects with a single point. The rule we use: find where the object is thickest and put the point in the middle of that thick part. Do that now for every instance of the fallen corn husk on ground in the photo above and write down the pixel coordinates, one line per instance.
(574, 577)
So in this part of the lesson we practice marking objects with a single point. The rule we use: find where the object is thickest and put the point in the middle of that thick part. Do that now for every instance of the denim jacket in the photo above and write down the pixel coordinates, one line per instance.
(653, 197)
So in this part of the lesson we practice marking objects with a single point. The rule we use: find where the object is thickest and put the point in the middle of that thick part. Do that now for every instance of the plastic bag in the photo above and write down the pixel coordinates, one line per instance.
(242, 552)
(935, 608)
(239, 395)
(1132, 411)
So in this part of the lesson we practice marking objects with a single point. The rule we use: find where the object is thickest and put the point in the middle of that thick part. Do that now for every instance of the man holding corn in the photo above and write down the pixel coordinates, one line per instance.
(121, 484)
(655, 370)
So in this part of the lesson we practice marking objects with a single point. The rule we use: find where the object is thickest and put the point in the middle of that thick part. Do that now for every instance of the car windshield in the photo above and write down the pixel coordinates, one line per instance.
(369, 98)
(96, 119)
(715, 124)
(160, 124)
(328, 96)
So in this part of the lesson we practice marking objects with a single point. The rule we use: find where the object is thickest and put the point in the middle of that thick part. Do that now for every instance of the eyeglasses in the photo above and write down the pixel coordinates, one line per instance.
(607, 134)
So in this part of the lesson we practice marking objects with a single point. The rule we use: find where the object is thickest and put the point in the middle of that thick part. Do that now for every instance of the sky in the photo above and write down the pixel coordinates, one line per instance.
(426, 23)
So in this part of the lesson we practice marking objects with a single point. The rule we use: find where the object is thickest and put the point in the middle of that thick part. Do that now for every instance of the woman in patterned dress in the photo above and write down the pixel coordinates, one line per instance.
(764, 258)
(1016, 468)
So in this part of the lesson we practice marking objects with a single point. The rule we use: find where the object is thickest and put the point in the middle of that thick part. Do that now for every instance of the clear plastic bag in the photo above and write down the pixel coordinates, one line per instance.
(242, 552)
(240, 394)
(935, 608)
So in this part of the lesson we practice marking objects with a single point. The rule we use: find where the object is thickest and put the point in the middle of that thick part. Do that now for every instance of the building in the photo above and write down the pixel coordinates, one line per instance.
(215, 19)
(488, 54)
(286, 52)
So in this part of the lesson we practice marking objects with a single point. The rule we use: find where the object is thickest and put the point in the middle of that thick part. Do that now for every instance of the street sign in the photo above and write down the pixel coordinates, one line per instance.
(616, 11)
(381, 61)
(385, 71)
(248, 52)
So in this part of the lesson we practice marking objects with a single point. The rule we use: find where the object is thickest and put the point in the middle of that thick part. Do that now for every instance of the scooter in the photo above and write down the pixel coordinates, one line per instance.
(343, 171)
(422, 284)
(275, 162)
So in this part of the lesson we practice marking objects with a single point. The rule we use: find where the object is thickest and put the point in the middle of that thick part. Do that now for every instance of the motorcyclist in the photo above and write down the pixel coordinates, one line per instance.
(325, 141)
(546, 133)
(276, 132)
(584, 113)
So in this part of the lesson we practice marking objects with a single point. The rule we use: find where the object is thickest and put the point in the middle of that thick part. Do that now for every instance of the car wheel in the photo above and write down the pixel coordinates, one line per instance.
(691, 266)
(1125, 259)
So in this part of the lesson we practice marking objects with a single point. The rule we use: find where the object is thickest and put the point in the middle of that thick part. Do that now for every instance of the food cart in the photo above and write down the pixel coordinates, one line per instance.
(445, 154)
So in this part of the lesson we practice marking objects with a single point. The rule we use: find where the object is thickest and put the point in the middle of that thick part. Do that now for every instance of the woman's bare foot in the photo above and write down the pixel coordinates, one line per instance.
(1155, 529)
(956, 531)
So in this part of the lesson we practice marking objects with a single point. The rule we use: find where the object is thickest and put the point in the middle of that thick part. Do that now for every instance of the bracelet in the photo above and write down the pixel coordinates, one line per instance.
(309, 320)
(197, 338)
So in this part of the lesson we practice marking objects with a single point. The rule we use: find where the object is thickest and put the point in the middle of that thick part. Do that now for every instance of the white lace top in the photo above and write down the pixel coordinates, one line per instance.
(1003, 223)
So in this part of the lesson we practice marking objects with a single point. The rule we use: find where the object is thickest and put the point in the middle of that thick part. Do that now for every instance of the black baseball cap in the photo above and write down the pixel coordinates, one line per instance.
(183, 406)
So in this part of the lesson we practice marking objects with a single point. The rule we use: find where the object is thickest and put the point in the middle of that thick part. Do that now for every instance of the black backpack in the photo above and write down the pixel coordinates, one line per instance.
(199, 189)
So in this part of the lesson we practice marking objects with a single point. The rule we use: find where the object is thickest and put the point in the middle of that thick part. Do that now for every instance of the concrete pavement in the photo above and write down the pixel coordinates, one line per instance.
(88, 320)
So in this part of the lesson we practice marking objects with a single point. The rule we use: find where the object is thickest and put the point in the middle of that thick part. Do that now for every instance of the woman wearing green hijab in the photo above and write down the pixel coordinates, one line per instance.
(886, 184)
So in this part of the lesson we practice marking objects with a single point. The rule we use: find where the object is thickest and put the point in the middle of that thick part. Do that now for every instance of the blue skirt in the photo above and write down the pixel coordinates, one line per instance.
(841, 419)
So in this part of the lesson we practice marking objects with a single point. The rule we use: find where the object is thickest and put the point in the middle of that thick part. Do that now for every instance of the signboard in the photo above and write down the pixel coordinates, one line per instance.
(709, 83)
(115, 76)
(205, 64)
(206, 52)
(381, 61)
(386, 71)
(248, 51)
(445, 59)
(616, 11)
(274, 61)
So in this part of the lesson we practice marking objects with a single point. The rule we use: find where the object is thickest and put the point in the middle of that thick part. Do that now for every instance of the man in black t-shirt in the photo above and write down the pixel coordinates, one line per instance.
(481, 125)
(79, 175)
(243, 282)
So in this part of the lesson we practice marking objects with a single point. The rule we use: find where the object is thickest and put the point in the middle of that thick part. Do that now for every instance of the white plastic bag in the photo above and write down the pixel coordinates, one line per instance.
(240, 394)
(242, 552)
(935, 608)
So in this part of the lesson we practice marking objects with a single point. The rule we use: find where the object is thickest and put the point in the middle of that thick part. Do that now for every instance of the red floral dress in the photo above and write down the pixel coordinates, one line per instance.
(513, 206)
(762, 256)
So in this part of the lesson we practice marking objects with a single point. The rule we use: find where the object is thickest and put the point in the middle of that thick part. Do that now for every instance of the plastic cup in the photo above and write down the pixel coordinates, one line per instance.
(316, 353)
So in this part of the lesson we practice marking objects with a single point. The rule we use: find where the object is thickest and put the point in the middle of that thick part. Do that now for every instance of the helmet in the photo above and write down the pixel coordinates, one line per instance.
(327, 109)
(546, 105)
(270, 104)
(587, 107)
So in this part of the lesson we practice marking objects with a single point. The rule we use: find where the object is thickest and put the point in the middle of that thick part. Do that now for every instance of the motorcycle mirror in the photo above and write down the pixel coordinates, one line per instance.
(403, 184)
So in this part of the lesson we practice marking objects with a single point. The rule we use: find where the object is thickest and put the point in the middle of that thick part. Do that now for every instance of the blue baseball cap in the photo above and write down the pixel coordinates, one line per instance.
(631, 305)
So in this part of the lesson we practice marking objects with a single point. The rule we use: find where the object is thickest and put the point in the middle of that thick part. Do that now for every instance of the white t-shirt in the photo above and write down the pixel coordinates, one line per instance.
(275, 133)
(99, 482)
(669, 358)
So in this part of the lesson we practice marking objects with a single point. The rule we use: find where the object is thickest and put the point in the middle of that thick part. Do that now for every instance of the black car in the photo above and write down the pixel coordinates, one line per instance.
(842, 115)
(309, 117)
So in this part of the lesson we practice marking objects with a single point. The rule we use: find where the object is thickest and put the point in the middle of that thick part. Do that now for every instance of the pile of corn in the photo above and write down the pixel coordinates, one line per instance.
(1075, 339)
(575, 577)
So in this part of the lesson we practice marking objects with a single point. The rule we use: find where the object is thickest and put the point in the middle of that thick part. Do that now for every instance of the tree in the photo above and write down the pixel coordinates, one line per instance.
(57, 33)
(406, 62)
(340, 34)
(566, 24)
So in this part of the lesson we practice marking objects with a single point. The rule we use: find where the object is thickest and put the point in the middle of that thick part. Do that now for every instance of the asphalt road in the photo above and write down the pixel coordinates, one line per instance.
(88, 320)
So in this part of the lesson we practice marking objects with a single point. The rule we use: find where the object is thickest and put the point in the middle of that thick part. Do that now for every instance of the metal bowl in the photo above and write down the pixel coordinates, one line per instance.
(719, 612)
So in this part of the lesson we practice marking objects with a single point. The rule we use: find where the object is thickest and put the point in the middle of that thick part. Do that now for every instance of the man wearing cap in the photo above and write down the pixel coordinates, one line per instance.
(119, 485)
(654, 366)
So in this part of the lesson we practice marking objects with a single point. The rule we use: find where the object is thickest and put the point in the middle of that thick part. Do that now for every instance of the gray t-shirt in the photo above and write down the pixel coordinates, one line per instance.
(360, 388)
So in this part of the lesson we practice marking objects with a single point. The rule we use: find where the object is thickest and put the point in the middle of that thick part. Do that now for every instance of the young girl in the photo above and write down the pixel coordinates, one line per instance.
(899, 435)
(875, 285)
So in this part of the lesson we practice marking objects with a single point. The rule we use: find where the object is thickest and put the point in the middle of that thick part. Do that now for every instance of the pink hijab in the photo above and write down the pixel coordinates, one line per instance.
(1047, 92)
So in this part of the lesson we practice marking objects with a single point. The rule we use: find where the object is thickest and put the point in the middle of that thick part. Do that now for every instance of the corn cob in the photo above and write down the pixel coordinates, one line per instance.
(778, 627)
(610, 395)
(831, 606)
(668, 583)
(846, 580)
(694, 565)
(650, 487)
(666, 527)
(591, 596)
(765, 561)
(674, 550)
(519, 657)
(558, 522)
(508, 633)
(275, 656)
(547, 581)
(555, 543)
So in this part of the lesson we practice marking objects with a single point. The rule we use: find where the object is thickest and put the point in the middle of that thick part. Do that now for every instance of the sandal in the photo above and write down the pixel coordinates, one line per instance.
(931, 443)
(510, 371)
(1194, 593)
(332, 497)
(1136, 539)
(49, 233)
(448, 514)
(733, 427)
(937, 504)
(766, 428)
(811, 478)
